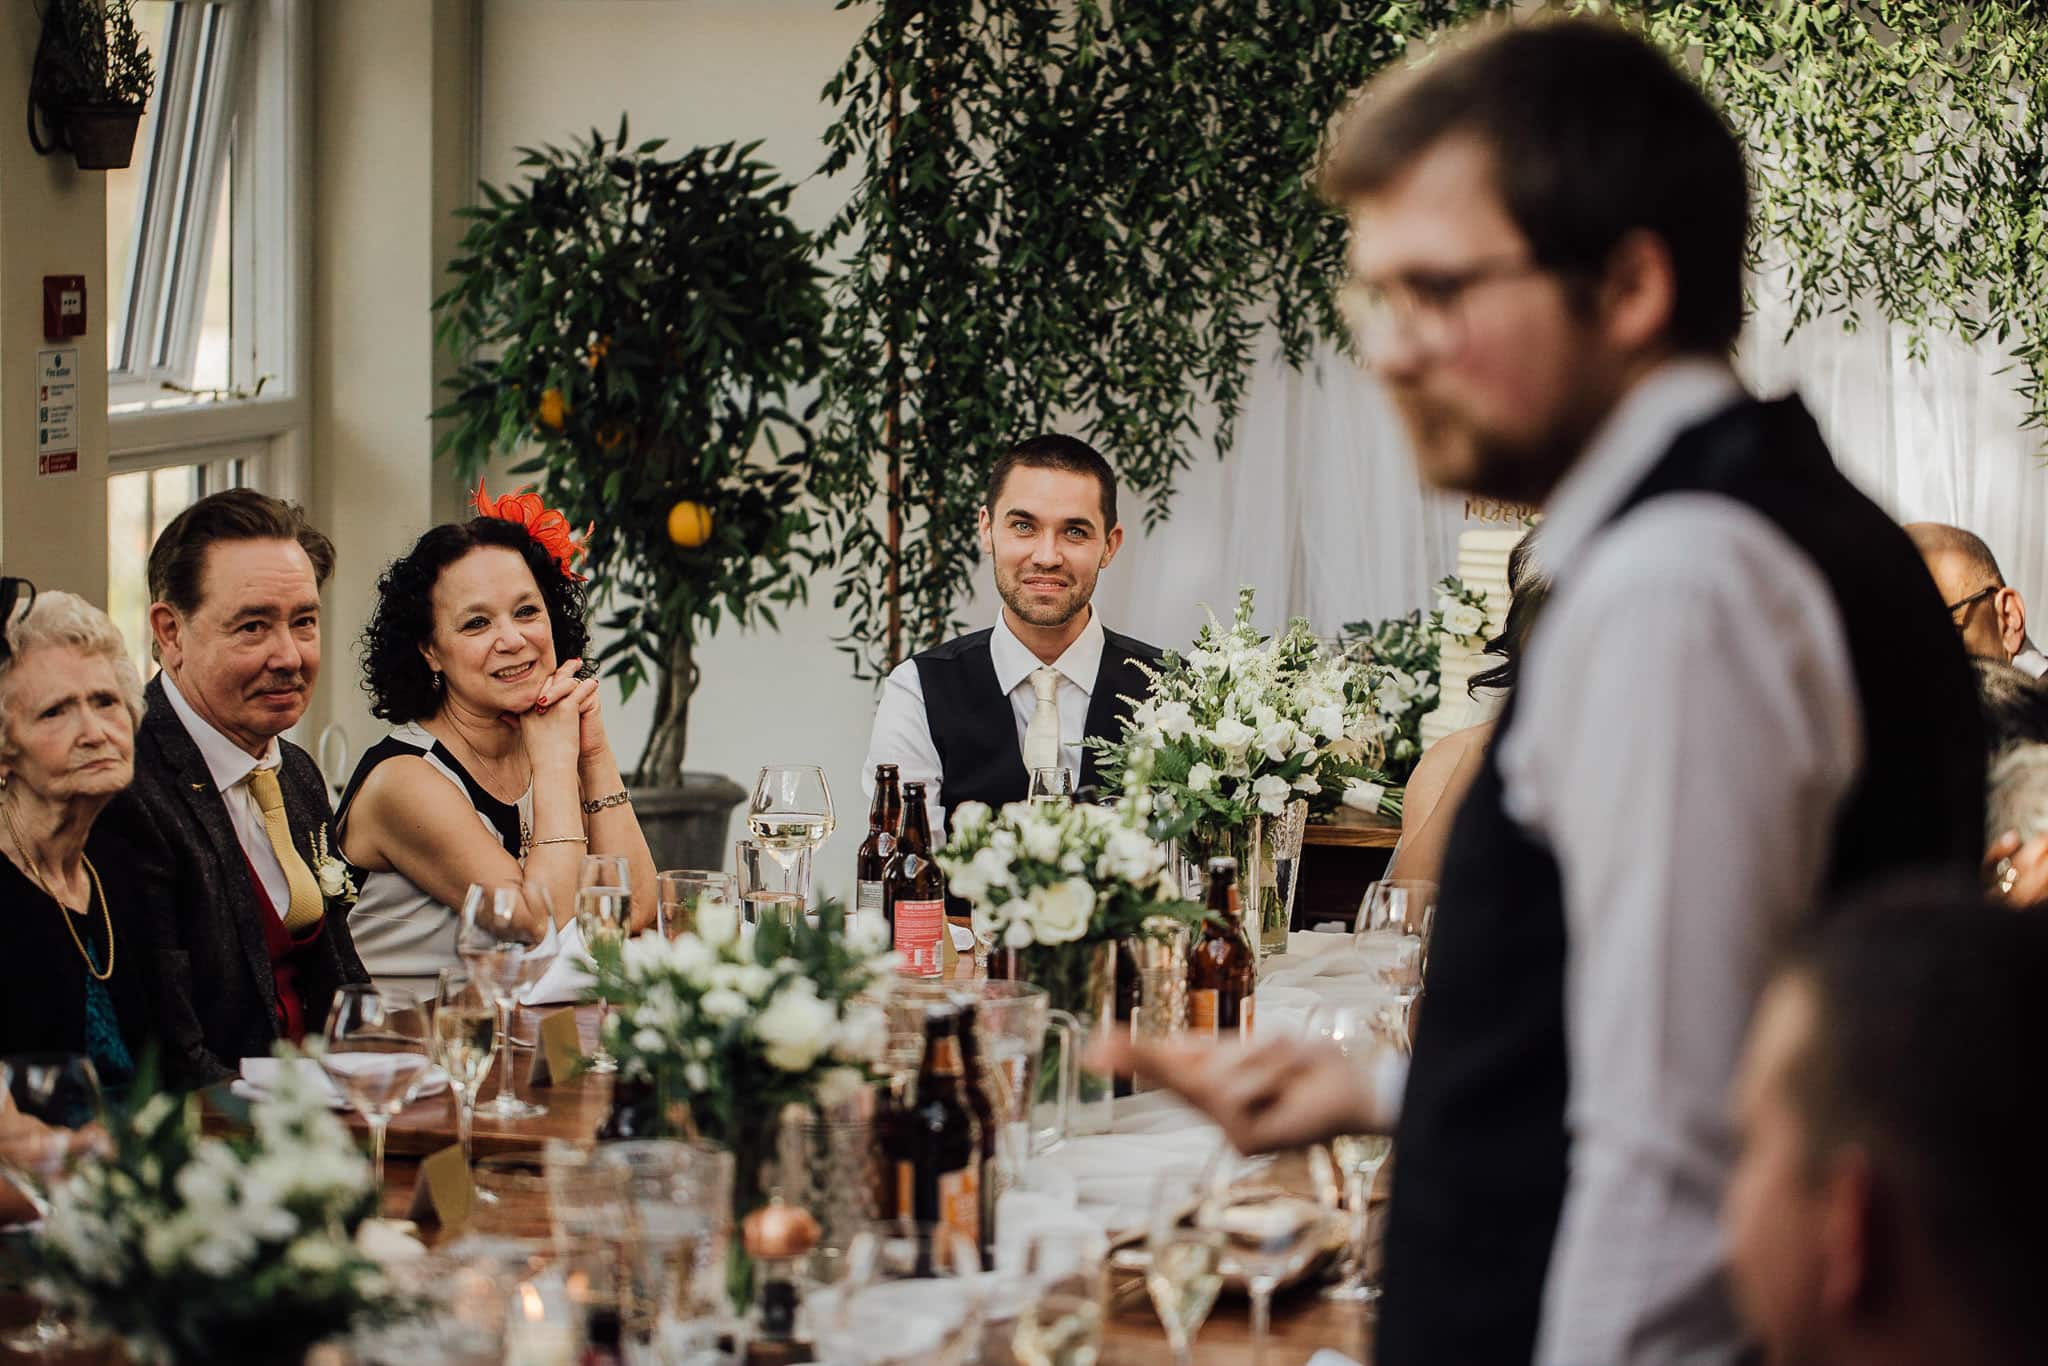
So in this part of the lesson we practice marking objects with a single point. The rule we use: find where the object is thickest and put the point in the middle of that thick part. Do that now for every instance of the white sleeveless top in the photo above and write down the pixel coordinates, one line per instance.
(404, 936)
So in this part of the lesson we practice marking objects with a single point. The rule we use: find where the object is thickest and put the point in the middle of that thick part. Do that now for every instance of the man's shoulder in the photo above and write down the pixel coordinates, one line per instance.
(954, 650)
(1131, 646)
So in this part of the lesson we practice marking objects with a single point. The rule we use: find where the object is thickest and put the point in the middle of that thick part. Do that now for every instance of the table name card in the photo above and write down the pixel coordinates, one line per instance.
(558, 1050)
(445, 1192)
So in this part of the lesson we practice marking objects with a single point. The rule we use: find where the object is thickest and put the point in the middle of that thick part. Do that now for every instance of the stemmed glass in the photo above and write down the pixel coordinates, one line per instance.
(465, 1045)
(604, 910)
(492, 941)
(912, 1294)
(1393, 928)
(1061, 1322)
(61, 1092)
(1268, 1233)
(791, 810)
(1184, 1265)
(1051, 787)
(376, 1055)
(1362, 1031)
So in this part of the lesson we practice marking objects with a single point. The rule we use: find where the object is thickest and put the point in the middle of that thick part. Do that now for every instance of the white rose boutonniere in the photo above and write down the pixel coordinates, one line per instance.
(330, 872)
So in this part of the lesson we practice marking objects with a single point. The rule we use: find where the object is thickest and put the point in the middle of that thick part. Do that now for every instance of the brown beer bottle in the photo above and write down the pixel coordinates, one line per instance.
(914, 890)
(1223, 971)
(935, 1140)
(976, 1079)
(885, 813)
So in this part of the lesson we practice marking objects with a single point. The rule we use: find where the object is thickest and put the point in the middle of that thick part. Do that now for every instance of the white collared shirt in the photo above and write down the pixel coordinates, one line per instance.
(1687, 727)
(903, 735)
(231, 766)
(2030, 661)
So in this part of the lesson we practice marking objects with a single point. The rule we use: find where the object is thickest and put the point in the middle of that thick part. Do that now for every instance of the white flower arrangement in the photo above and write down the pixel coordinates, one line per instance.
(1405, 657)
(1241, 725)
(1060, 873)
(202, 1248)
(735, 1028)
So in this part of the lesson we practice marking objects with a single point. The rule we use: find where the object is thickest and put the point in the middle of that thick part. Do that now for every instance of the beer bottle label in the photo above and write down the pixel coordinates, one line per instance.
(960, 1202)
(868, 899)
(1202, 1012)
(906, 1191)
(919, 925)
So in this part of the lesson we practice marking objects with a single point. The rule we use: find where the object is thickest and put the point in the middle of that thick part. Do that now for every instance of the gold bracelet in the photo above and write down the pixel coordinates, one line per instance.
(560, 839)
(597, 804)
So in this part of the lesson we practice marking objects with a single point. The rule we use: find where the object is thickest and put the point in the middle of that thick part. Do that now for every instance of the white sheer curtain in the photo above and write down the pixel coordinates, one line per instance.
(1319, 506)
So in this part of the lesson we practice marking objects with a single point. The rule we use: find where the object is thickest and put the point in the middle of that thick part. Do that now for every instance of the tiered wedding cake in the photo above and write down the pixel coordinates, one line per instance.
(1483, 565)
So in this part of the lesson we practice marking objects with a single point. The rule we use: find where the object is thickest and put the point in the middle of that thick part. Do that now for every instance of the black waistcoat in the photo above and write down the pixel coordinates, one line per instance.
(1483, 1145)
(974, 727)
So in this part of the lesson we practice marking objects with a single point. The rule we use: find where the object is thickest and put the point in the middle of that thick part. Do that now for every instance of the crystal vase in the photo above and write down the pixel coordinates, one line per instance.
(1268, 853)
(1080, 979)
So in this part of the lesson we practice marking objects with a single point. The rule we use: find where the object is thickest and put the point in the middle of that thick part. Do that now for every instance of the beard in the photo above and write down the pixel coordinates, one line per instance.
(1040, 611)
(1456, 454)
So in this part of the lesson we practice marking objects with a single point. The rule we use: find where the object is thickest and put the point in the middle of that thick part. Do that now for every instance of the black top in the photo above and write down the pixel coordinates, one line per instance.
(503, 816)
(1485, 1152)
(43, 979)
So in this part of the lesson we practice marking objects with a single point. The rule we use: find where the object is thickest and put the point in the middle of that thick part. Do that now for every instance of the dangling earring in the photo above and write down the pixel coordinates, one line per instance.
(437, 680)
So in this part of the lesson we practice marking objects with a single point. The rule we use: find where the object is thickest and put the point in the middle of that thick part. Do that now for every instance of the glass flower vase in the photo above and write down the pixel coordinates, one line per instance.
(1080, 979)
(1268, 853)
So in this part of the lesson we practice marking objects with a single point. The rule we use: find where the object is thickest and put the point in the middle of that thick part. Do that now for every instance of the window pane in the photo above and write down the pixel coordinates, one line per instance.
(124, 188)
(128, 542)
(210, 368)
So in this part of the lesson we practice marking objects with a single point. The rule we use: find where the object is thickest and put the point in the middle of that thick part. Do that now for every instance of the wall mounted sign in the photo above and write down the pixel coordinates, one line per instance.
(57, 410)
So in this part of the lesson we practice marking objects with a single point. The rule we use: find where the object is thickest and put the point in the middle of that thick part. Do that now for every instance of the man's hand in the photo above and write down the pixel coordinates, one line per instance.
(1279, 1092)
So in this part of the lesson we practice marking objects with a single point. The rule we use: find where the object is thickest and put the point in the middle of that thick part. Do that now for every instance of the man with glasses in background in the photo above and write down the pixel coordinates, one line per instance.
(1990, 614)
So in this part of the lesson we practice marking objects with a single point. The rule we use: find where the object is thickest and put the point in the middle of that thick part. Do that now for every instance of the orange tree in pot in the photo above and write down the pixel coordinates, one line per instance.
(635, 326)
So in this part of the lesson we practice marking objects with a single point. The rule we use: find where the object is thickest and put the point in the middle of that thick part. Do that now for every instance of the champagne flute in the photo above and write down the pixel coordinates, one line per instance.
(1184, 1265)
(492, 942)
(1051, 788)
(376, 1055)
(1268, 1233)
(465, 1045)
(791, 810)
(1362, 1030)
(612, 875)
(1059, 1328)
(60, 1092)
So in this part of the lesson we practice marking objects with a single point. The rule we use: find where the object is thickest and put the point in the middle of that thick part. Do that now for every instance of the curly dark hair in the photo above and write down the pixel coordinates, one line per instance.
(1528, 587)
(395, 673)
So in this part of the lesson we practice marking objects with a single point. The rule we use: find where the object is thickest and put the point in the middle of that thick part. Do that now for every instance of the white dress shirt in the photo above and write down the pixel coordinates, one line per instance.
(1686, 731)
(2030, 661)
(903, 735)
(231, 766)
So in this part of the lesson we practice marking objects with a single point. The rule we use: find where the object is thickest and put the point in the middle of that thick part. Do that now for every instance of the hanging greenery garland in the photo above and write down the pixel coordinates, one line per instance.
(1082, 217)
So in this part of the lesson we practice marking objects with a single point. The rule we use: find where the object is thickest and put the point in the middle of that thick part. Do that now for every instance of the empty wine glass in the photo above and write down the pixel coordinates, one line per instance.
(911, 1293)
(60, 1092)
(1363, 1031)
(1395, 918)
(604, 911)
(790, 810)
(376, 1055)
(1269, 1233)
(681, 890)
(1184, 1264)
(1051, 787)
(465, 1045)
(497, 943)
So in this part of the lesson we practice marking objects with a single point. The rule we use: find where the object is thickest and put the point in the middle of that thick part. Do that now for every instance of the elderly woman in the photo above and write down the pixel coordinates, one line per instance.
(77, 945)
(498, 770)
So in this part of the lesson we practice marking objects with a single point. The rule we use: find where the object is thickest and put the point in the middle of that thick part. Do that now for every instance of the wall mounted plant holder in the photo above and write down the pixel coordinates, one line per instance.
(91, 81)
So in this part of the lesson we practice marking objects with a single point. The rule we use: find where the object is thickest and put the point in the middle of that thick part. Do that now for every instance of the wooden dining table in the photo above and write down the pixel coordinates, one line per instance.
(1302, 1321)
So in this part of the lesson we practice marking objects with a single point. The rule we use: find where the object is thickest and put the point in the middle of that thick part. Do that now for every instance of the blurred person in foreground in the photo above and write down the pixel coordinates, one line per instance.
(1887, 1206)
(1743, 695)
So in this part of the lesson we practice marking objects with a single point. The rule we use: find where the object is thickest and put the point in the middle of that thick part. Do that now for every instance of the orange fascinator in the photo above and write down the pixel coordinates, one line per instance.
(542, 522)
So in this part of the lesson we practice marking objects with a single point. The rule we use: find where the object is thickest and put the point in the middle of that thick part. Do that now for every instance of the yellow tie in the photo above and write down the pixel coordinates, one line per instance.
(1042, 736)
(307, 905)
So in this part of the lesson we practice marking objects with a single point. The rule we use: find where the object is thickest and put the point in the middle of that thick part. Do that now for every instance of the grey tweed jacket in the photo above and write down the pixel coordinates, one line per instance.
(217, 994)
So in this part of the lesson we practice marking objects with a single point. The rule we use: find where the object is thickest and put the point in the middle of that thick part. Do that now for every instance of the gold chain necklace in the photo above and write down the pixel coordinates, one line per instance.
(35, 871)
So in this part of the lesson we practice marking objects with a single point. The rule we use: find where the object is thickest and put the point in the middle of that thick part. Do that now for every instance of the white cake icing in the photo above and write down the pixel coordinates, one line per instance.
(1483, 565)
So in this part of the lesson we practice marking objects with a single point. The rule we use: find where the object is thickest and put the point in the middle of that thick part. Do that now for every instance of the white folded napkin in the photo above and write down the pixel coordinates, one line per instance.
(568, 977)
(259, 1075)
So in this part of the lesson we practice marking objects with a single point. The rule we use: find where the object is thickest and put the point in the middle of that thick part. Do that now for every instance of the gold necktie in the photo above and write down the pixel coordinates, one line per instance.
(307, 905)
(1042, 736)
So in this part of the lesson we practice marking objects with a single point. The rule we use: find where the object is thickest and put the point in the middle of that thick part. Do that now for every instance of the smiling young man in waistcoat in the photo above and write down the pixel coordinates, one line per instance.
(971, 718)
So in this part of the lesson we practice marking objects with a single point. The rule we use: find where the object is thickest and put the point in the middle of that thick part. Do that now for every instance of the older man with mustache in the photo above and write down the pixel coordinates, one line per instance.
(256, 947)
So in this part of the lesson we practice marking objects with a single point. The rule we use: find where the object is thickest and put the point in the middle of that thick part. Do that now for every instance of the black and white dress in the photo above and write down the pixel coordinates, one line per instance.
(405, 936)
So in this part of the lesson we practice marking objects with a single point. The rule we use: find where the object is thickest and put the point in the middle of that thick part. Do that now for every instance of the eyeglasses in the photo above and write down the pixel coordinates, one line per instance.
(1425, 307)
(11, 589)
(1959, 611)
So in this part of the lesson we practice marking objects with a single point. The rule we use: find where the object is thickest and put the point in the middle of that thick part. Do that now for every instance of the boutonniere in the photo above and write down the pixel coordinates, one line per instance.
(330, 872)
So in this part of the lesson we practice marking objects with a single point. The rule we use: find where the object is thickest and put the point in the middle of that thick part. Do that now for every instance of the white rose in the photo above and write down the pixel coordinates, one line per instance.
(1018, 935)
(1363, 795)
(1232, 736)
(1063, 911)
(1173, 719)
(795, 1028)
(967, 880)
(718, 922)
(1272, 793)
(1307, 785)
(1326, 719)
(969, 818)
(1464, 620)
(1276, 739)
(333, 878)
(1201, 778)
(1041, 840)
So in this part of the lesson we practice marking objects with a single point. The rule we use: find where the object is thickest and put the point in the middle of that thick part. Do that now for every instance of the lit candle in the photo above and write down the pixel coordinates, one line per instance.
(538, 1331)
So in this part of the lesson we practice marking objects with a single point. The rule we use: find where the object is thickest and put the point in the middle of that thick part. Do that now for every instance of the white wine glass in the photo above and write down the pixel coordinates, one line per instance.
(1395, 918)
(790, 810)
(495, 942)
(1269, 1233)
(1363, 1031)
(1051, 787)
(465, 1046)
(60, 1092)
(1183, 1265)
(612, 911)
(376, 1055)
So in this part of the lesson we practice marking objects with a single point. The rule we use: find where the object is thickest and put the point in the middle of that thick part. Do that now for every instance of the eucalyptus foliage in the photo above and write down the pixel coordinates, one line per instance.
(633, 323)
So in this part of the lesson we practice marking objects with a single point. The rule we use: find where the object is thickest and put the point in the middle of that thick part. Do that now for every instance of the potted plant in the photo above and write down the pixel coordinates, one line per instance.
(91, 79)
(635, 324)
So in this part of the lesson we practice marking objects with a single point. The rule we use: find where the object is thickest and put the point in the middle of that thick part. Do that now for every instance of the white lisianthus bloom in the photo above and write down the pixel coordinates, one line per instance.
(795, 1028)
(1064, 911)
(1325, 719)
(1041, 839)
(1127, 856)
(696, 1076)
(839, 1085)
(1363, 795)
(1307, 785)
(1273, 793)
(867, 935)
(969, 819)
(863, 1034)
(722, 1004)
(1173, 719)
(1276, 740)
(1233, 737)
(1201, 778)
(992, 867)
(1463, 619)
(967, 880)
(1019, 934)
(718, 923)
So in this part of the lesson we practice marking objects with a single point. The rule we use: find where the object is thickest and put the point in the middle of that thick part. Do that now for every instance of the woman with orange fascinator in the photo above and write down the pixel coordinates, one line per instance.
(474, 653)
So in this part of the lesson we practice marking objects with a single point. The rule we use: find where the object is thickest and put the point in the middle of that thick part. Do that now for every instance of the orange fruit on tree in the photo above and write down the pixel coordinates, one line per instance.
(553, 409)
(689, 524)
